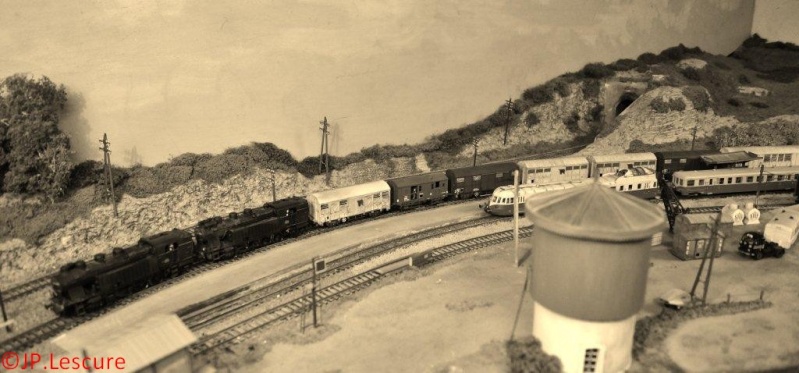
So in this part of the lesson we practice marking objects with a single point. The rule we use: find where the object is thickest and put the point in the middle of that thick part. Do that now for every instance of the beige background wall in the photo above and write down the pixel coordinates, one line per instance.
(202, 76)
(777, 20)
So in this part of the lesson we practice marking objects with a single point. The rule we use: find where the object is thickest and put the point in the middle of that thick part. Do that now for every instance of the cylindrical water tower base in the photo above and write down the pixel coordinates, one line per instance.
(578, 343)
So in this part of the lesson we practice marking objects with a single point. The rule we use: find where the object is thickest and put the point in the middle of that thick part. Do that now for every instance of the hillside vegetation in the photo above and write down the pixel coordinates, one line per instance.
(653, 102)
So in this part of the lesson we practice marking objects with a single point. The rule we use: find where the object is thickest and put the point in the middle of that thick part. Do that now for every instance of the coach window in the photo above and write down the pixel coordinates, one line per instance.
(721, 180)
(788, 157)
(738, 180)
(767, 158)
(342, 203)
(690, 183)
(729, 180)
(562, 171)
(779, 177)
(701, 182)
(376, 196)
(323, 207)
(360, 203)
(769, 177)
(639, 186)
(476, 177)
(510, 200)
(384, 194)
(499, 175)
(780, 157)
(750, 179)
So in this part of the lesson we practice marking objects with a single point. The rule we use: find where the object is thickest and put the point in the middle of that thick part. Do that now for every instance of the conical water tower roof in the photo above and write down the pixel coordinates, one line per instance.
(596, 212)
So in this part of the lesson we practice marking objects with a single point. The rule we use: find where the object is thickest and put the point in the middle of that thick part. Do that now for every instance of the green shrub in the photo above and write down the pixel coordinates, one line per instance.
(626, 64)
(650, 58)
(526, 356)
(538, 95)
(531, 119)
(698, 96)
(660, 105)
(561, 87)
(591, 88)
(596, 71)
(734, 102)
(786, 75)
(691, 73)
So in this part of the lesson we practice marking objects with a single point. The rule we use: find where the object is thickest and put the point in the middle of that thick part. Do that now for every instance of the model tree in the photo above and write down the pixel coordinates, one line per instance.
(34, 153)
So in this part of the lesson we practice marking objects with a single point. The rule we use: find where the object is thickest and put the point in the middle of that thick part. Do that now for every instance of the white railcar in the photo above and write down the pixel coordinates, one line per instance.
(501, 202)
(638, 181)
(783, 227)
(553, 170)
(342, 204)
(770, 156)
(602, 165)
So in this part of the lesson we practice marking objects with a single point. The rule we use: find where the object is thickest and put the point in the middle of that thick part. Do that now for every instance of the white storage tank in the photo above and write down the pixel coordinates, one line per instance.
(590, 264)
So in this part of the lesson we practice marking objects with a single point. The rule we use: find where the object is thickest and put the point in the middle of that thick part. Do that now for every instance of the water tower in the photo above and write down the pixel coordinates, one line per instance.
(589, 271)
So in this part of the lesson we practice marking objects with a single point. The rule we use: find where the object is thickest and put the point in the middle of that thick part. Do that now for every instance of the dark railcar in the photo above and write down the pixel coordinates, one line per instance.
(479, 180)
(415, 190)
(174, 250)
(82, 286)
(682, 160)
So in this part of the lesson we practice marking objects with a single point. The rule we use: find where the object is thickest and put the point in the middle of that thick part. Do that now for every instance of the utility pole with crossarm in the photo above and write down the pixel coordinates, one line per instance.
(107, 168)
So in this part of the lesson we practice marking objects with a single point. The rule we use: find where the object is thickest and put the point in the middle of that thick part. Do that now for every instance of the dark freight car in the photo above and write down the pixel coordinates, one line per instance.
(414, 190)
(173, 250)
(682, 160)
(479, 180)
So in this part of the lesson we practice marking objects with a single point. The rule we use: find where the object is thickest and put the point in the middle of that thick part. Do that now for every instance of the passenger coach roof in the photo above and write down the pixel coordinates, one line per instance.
(684, 153)
(554, 162)
(725, 172)
(623, 157)
(763, 149)
(350, 192)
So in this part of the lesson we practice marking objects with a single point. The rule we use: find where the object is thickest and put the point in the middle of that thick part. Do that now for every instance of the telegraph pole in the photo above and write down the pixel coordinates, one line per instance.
(507, 120)
(516, 214)
(324, 151)
(107, 166)
(274, 191)
(475, 142)
(759, 182)
(693, 137)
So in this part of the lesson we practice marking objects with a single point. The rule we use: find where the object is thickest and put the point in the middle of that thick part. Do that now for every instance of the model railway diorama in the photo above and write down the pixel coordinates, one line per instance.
(82, 286)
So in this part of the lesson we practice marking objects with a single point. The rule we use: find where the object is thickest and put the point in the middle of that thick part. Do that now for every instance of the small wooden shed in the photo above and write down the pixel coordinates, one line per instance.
(692, 234)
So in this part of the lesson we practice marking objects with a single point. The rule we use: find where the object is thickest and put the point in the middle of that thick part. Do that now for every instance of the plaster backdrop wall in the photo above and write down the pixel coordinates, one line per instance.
(201, 76)
(777, 20)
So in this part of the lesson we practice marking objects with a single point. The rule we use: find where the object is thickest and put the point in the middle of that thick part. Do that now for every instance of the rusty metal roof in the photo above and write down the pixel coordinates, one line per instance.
(596, 212)
(141, 344)
(725, 158)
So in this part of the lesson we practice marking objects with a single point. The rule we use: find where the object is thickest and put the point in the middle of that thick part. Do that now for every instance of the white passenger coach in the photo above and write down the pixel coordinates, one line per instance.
(342, 204)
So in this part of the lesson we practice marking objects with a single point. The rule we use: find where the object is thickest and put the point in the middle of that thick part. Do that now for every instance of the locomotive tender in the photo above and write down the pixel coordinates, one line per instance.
(82, 286)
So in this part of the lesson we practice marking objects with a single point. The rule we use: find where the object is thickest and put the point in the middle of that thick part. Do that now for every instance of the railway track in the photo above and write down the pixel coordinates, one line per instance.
(262, 290)
(26, 288)
(232, 334)
(50, 328)
(716, 209)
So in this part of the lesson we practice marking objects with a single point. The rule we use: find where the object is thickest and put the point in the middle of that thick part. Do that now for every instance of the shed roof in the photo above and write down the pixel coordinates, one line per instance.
(339, 194)
(554, 162)
(732, 157)
(141, 344)
(596, 212)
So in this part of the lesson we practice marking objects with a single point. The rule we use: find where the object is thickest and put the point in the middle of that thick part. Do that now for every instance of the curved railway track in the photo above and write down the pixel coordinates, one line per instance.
(53, 327)
(232, 334)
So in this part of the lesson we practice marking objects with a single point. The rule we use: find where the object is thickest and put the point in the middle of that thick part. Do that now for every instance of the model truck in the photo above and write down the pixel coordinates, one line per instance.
(779, 235)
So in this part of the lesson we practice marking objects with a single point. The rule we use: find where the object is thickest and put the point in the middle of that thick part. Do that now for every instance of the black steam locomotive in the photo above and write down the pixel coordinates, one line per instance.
(84, 286)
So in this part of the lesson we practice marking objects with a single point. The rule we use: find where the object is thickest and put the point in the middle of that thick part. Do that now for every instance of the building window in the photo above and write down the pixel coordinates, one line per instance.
(591, 362)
